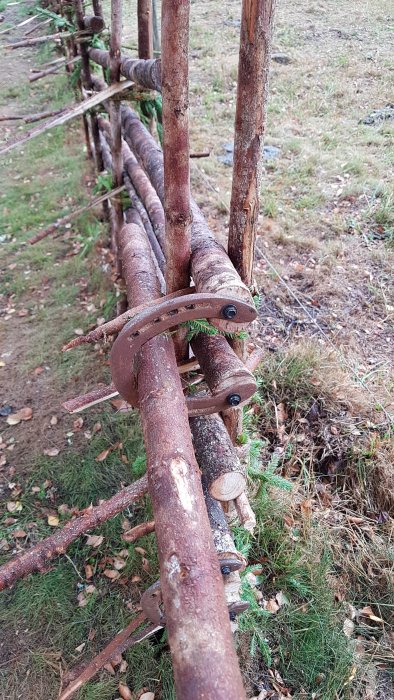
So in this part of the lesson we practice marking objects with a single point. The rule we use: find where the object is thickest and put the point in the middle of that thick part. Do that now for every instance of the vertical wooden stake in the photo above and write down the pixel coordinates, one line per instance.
(254, 56)
(175, 93)
(145, 29)
(250, 117)
(115, 117)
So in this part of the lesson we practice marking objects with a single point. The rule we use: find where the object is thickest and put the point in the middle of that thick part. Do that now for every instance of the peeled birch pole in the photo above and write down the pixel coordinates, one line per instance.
(175, 93)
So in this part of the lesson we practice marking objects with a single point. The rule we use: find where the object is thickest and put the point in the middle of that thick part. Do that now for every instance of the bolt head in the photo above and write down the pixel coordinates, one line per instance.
(229, 311)
(233, 399)
(225, 570)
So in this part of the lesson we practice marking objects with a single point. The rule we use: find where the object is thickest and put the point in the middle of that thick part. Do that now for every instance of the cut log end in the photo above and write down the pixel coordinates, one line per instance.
(228, 486)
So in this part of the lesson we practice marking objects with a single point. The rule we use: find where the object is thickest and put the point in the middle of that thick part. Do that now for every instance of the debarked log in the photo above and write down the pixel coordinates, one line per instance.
(144, 72)
(217, 458)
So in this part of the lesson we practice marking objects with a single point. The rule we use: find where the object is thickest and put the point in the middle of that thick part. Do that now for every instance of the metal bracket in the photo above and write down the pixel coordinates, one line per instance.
(168, 313)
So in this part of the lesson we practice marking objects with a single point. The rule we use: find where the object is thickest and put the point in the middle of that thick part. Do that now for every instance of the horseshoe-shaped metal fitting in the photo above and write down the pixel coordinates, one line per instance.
(166, 315)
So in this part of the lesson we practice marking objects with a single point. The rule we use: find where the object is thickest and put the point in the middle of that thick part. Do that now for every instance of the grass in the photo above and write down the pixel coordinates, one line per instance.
(321, 487)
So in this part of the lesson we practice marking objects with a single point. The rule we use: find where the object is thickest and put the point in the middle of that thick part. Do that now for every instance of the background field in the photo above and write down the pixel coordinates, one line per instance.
(321, 580)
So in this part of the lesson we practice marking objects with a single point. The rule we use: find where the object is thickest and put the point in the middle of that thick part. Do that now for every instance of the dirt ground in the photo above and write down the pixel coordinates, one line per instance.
(323, 266)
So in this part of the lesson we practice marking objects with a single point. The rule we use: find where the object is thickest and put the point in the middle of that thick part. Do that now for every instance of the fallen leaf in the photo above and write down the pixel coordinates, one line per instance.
(88, 571)
(116, 660)
(103, 455)
(119, 564)
(2, 363)
(54, 420)
(90, 589)
(51, 452)
(306, 508)
(108, 667)
(348, 627)
(13, 419)
(368, 612)
(120, 405)
(80, 648)
(77, 424)
(111, 574)
(91, 635)
(147, 696)
(96, 428)
(38, 370)
(14, 506)
(281, 599)
(25, 413)
(123, 666)
(271, 605)
(140, 550)
(4, 546)
(82, 600)
(19, 534)
(78, 331)
(3, 461)
(94, 540)
(135, 579)
(53, 520)
(125, 692)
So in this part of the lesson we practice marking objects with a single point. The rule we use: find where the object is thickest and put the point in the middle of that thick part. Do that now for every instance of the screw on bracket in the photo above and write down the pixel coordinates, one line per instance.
(229, 311)
(233, 399)
(226, 570)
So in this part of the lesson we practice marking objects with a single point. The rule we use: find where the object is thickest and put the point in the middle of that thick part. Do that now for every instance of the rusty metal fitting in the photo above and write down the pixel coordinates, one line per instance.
(167, 315)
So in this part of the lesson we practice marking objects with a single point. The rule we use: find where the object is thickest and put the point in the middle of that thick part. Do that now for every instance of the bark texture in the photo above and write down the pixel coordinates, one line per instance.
(204, 660)
(219, 363)
(93, 23)
(114, 112)
(146, 73)
(217, 458)
(211, 268)
(145, 29)
(254, 56)
(175, 92)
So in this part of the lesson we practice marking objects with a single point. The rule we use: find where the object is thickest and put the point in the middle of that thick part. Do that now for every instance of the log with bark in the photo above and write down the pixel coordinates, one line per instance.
(39, 557)
(144, 72)
(115, 115)
(176, 166)
(145, 29)
(217, 457)
(200, 639)
(252, 88)
(211, 268)
(93, 23)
